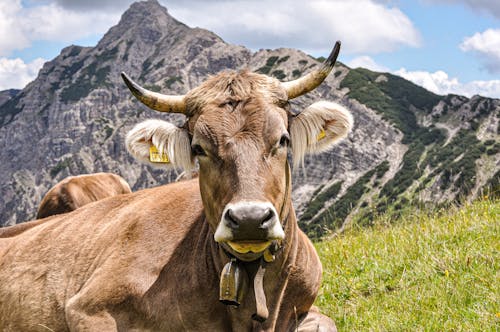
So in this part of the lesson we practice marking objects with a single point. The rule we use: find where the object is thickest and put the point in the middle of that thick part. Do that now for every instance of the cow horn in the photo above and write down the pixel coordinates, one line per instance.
(154, 100)
(309, 82)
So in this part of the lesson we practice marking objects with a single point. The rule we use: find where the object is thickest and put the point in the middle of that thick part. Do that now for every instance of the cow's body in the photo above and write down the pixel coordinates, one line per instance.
(140, 263)
(161, 259)
(76, 191)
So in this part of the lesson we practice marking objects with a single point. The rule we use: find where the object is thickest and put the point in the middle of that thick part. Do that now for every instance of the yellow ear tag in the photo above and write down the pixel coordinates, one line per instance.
(321, 135)
(156, 157)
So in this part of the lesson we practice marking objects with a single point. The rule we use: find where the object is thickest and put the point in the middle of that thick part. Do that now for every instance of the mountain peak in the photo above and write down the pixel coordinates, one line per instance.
(145, 21)
(140, 11)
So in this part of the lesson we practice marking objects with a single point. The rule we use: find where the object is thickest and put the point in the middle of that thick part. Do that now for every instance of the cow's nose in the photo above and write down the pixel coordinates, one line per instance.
(247, 221)
(255, 216)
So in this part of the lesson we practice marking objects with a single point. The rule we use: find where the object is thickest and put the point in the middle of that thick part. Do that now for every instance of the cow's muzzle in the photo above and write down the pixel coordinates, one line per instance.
(249, 226)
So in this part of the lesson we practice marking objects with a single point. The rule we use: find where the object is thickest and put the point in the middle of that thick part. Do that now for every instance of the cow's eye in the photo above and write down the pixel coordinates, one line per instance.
(197, 150)
(284, 140)
(284, 104)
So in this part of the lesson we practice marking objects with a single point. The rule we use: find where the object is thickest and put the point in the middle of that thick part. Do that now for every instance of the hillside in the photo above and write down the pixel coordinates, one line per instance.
(425, 271)
(407, 145)
(451, 151)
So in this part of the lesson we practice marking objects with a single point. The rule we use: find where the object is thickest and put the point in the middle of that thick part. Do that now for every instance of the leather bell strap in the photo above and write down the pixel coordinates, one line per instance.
(261, 313)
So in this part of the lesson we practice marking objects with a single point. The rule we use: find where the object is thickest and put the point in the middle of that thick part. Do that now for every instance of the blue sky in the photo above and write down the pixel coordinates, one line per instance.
(447, 46)
(443, 28)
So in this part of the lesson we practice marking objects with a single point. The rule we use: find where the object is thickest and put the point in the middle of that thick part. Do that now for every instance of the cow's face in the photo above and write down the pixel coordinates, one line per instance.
(240, 138)
(239, 131)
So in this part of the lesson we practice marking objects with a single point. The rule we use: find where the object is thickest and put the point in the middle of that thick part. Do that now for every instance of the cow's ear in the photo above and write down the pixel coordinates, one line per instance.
(160, 144)
(318, 128)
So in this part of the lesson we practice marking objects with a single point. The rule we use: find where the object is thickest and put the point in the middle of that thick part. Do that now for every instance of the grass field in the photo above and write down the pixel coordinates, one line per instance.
(425, 271)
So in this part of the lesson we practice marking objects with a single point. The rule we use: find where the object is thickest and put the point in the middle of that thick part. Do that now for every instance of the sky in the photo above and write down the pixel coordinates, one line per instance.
(446, 46)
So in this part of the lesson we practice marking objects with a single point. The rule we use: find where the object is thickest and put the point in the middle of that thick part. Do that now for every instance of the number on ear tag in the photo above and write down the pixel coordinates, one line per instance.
(156, 157)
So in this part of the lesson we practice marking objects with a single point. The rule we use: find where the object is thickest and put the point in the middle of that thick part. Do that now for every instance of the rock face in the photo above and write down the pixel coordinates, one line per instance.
(6, 95)
(73, 118)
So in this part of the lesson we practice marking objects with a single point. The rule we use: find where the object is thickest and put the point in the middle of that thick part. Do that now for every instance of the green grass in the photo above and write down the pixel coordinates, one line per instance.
(425, 271)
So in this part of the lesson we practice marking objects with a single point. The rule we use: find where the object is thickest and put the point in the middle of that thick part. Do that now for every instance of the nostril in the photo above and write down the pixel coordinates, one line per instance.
(231, 220)
(267, 217)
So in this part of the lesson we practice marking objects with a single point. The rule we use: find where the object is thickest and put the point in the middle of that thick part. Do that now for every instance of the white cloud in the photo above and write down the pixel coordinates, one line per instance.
(366, 62)
(364, 26)
(487, 45)
(440, 83)
(20, 26)
(11, 36)
(15, 73)
(52, 22)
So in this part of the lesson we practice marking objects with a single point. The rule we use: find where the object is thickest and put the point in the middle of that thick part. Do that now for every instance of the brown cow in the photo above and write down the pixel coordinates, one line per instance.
(76, 191)
(70, 194)
(160, 259)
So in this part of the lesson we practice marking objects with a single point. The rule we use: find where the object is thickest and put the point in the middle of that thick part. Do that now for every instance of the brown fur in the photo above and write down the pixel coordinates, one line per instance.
(76, 191)
(146, 271)
(70, 194)
(147, 261)
(19, 228)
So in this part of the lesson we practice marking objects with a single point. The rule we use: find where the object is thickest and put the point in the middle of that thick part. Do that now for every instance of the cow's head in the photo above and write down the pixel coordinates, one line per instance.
(239, 129)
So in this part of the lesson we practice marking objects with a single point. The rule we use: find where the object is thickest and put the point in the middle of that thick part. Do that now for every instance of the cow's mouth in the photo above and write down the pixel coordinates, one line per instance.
(243, 247)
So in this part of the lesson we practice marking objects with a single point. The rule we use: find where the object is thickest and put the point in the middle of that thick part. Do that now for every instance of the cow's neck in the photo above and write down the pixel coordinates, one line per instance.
(277, 271)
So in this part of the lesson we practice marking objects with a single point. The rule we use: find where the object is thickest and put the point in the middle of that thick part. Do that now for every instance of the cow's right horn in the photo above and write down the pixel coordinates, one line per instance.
(309, 82)
(154, 100)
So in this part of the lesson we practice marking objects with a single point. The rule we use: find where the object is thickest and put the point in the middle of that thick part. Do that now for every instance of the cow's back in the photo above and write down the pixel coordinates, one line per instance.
(77, 191)
(43, 267)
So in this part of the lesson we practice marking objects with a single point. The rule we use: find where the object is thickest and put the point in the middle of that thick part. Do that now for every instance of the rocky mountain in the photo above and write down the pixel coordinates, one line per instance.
(5, 95)
(408, 145)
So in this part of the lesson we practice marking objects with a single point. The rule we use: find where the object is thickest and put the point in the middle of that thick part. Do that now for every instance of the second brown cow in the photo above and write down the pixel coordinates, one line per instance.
(76, 191)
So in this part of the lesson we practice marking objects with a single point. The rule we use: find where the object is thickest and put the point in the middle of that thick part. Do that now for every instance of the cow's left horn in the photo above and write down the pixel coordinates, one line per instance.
(309, 82)
(154, 100)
